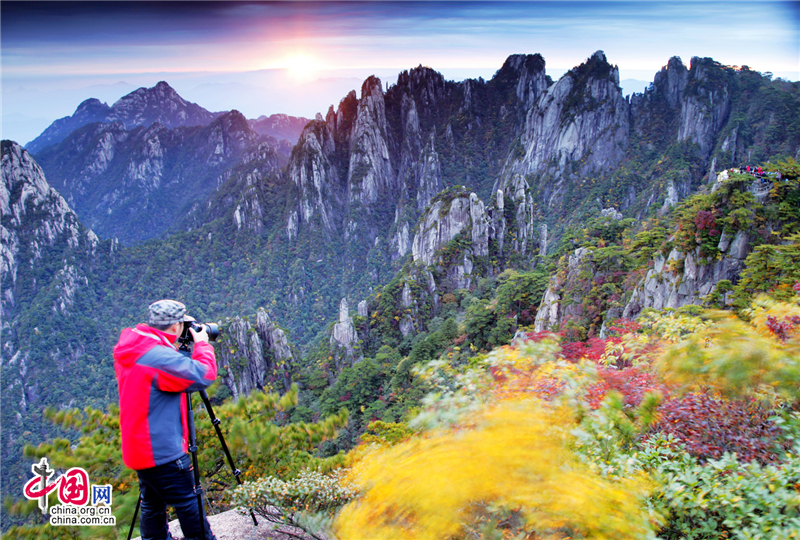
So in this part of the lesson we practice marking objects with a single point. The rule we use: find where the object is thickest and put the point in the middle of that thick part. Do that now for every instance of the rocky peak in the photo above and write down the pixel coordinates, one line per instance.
(161, 103)
(425, 85)
(89, 111)
(370, 173)
(92, 108)
(428, 174)
(165, 91)
(581, 118)
(142, 107)
(315, 172)
(372, 88)
(235, 124)
(529, 72)
(342, 122)
(706, 105)
(671, 81)
(451, 212)
(123, 182)
(596, 67)
(343, 338)
(564, 286)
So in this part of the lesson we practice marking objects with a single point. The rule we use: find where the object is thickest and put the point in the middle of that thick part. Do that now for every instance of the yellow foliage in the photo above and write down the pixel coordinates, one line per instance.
(522, 370)
(736, 357)
(764, 307)
(516, 456)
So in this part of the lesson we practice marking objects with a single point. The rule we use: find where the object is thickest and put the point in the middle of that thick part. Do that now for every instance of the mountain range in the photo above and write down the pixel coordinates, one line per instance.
(408, 202)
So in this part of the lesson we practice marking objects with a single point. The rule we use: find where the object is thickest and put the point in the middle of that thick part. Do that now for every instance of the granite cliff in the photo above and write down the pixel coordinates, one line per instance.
(136, 184)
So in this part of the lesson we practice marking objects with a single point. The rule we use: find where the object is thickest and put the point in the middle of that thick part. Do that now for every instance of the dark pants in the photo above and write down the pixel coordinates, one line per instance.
(170, 484)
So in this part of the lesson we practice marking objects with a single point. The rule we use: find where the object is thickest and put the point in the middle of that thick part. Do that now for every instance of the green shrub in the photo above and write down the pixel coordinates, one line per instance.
(723, 498)
(307, 502)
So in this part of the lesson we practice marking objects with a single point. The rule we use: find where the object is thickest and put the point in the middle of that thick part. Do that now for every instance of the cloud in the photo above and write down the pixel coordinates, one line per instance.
(44, 44)
(69, 37)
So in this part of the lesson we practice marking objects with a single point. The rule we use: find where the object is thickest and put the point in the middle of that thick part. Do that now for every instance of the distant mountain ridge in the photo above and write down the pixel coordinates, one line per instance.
(142, 107)
(161, 104)
(280, 126)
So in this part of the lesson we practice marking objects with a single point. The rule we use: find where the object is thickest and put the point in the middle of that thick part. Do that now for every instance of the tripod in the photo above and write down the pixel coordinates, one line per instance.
(198, 488)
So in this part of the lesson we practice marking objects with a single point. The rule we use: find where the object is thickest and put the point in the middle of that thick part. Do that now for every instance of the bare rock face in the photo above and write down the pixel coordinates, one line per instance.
(162, 104)
(683, 278)
(552, 311)
(698, 100)
(678, 280)
(34, 218)
(318, 167)
(419, 171)
(320, 186)
(529, 70)
(518, 191)
(705, 108)
(582, 118)
(428, 174)
(256, 356)
(250, 208)
(44, 255)
(137, 184)
(90, 110)
(662, 102)
(370, 172)
(401, 241)
(146, 167)
(344, 338)
(673, 79)
(445, 220)
(458, 228)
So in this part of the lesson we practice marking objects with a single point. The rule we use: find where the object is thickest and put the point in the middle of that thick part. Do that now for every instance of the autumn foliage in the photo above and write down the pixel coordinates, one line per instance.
(589, 440)
(513, 459)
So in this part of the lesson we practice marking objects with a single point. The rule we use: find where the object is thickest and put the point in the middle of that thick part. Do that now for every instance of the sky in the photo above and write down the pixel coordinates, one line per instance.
(299, 58)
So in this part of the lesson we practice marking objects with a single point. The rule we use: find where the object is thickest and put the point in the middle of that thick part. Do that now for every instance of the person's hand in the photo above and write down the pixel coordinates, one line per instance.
(202, 335)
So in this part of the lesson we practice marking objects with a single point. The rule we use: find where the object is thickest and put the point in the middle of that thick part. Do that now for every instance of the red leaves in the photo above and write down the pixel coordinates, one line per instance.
(706, 220)
(785, 328)
(710, 426)
(619, 327)
(592, 349)
(633, 383)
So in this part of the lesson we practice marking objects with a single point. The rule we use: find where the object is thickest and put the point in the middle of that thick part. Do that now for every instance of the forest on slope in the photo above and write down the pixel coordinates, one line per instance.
(681, 423)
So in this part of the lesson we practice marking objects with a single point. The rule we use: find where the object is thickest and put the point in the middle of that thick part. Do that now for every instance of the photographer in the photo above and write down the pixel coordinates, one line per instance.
(153, 377)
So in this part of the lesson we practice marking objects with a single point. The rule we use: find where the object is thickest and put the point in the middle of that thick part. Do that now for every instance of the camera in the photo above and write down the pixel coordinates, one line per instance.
(212, 329)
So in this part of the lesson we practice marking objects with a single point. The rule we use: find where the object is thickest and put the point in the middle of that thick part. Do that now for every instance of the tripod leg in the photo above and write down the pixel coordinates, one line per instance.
(135, 513)
(216, 421)
(198, 488)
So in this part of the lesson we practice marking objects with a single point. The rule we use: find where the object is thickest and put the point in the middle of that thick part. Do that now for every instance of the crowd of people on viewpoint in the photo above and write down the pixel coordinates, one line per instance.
(758, 172)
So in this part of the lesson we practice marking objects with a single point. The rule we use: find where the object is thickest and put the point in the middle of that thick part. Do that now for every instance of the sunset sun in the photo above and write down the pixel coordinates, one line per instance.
(301, 66)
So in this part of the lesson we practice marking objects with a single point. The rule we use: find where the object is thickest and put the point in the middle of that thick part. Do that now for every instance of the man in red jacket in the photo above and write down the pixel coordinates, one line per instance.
(153, 378)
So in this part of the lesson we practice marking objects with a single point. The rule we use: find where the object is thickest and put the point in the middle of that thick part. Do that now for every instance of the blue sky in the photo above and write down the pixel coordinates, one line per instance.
(300, 57)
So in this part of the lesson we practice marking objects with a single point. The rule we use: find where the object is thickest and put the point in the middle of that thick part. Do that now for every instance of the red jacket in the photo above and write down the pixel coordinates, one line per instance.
(153, 378)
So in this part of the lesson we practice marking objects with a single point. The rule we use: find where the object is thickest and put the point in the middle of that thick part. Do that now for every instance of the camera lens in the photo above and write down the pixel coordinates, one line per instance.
(212, 329)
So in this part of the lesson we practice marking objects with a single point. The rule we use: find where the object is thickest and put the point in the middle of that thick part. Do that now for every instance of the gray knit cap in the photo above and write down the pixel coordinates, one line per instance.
(166, 312)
